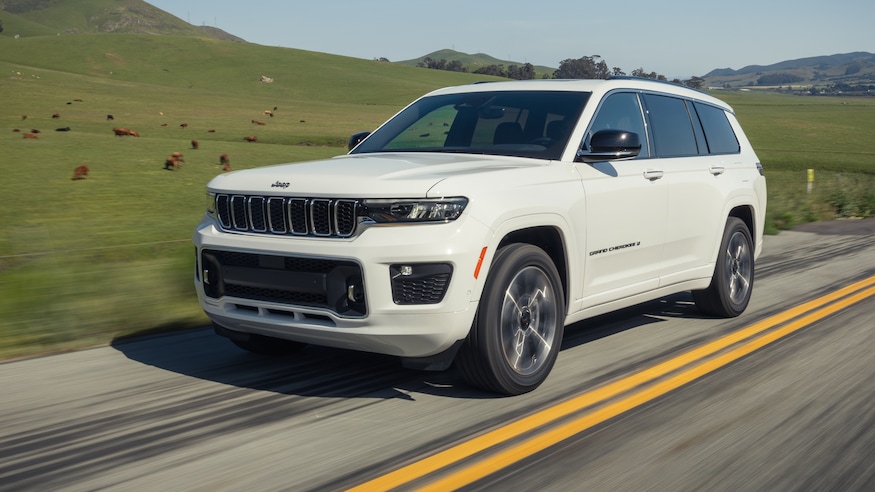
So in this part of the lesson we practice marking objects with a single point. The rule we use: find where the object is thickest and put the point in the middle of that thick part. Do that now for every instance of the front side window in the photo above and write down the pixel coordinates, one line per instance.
(621, 111)
(515, 123)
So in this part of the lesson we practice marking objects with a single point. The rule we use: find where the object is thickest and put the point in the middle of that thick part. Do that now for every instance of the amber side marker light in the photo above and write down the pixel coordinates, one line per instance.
(479, 262)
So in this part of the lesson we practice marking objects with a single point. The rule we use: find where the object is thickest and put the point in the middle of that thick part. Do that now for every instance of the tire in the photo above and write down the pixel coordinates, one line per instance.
(264, 345)
(517, 331)
(732, 283)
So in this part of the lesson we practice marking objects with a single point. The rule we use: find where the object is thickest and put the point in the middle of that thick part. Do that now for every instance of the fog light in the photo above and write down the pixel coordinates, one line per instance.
(427, 285)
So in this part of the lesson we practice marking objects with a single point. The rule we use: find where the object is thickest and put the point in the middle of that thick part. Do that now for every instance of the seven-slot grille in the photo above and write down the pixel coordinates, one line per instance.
(319, 217)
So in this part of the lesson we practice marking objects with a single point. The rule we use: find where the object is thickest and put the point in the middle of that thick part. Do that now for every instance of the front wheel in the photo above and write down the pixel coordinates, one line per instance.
(517, 332)
(732, 283)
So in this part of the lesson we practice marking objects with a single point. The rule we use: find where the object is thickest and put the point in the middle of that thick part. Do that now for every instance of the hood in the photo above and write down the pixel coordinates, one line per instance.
(365, 175)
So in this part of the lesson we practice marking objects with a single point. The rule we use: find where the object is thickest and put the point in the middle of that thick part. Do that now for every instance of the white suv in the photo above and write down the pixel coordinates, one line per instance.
(480, 220)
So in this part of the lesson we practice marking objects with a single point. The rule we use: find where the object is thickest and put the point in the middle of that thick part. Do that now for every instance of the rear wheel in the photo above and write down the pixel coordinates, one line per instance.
(732, 283)
(517, 332)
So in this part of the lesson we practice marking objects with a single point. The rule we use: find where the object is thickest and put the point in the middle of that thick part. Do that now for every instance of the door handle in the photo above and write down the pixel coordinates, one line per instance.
(652, 174)
(717, 170)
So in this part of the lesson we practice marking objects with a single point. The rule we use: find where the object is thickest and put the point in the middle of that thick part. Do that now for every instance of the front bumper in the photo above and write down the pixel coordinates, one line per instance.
(379, 323)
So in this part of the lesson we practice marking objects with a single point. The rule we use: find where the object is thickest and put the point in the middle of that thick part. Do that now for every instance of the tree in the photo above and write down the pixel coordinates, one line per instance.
(694, 82)
(639, 72)
(496, 70)
(429, 62)
(525, 72)
(1, 26)
(455, 66)
(583, 68)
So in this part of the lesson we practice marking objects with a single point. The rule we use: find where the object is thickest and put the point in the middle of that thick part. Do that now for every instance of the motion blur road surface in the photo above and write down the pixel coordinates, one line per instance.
(638, 400)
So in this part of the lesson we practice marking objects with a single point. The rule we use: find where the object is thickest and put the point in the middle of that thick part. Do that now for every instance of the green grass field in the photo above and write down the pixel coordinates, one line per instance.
(84, 262)
(833, 136)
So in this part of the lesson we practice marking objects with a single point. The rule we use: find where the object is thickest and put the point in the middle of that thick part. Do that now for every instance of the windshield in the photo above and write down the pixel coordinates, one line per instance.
(514, 123)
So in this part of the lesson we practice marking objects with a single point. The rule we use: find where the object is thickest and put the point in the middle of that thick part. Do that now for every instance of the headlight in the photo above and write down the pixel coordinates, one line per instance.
(424, 210)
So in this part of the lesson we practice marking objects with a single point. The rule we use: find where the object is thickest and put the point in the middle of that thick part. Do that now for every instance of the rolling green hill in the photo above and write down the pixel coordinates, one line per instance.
(473, 62)
(27, 18)
(820, 71)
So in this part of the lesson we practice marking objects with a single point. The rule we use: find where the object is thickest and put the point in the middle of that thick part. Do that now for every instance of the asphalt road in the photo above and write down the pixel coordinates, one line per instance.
(189, 411)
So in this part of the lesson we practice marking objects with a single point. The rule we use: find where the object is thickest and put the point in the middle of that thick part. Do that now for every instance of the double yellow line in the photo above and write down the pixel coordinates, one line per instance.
(559, 422)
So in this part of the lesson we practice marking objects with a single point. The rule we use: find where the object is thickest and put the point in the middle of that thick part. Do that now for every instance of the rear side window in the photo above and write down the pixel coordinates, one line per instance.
(672, 129)
(718, 132)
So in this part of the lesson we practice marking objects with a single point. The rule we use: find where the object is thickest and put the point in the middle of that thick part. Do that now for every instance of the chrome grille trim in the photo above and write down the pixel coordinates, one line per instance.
(345, 215)
(320, 217)
(257, 220)
(238, 212)
(314, 217)
(275, 216)
(297, 212)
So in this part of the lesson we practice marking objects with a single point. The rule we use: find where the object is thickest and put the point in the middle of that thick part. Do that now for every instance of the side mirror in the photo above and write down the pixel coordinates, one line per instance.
(608, 145)
(356, 139)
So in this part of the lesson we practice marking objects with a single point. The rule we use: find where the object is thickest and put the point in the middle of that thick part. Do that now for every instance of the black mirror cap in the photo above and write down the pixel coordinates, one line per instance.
(610, 145)
(356, 139)
(614, 141)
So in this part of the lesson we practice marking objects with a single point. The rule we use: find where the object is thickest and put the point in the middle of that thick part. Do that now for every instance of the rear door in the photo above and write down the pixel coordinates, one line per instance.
(695, 181)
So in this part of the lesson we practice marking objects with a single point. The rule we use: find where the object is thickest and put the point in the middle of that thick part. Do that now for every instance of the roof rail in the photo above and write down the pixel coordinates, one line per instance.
(632, 77)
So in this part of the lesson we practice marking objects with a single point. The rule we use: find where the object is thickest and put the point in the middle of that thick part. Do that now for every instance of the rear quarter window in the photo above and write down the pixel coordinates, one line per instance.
(718, 132)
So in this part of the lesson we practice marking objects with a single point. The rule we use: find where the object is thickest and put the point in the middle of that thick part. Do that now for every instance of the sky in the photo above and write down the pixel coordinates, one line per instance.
(678, 39)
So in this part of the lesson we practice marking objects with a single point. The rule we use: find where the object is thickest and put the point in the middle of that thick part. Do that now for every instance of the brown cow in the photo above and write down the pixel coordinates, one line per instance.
(184, 125)
(81, 172)
(195, 144)
(172, 163)
(121, 132)
(211, 131)
(24, 117)
(224, 160)
(34, 130)
(256, 122)
(226, 167)
(251, 138)
(29, 135)
(56, 116)
(15, 130)
(110, 117)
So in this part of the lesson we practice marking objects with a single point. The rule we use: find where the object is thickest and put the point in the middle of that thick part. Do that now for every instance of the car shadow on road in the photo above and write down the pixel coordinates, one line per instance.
(674, 306)
(329, 372)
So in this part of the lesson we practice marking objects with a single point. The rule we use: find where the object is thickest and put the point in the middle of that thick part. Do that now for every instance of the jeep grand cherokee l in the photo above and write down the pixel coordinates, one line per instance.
(479, 221)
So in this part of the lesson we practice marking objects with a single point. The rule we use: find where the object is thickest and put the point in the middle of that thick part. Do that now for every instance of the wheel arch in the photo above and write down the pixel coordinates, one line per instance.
(746, 214)
(549, 239)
